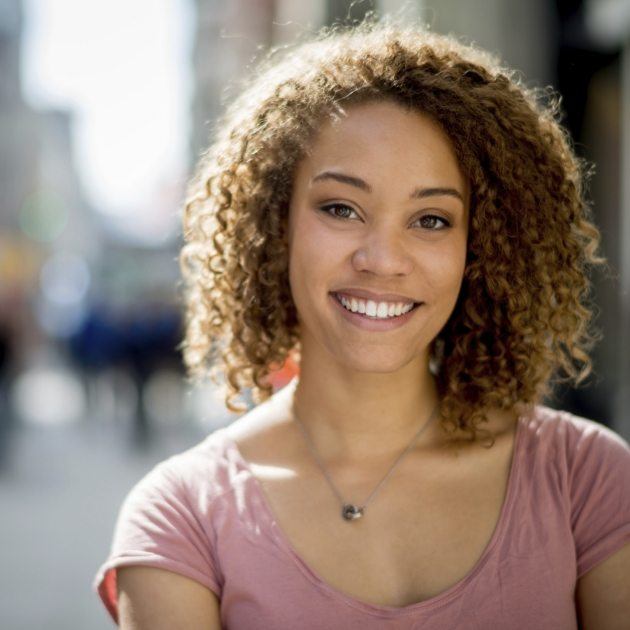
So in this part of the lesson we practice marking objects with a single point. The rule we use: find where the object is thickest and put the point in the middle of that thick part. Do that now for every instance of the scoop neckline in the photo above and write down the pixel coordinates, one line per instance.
(387, 611)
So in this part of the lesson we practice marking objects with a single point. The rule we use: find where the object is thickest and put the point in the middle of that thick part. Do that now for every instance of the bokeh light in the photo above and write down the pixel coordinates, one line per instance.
(64, 283)
(48, 396)
(65, 278)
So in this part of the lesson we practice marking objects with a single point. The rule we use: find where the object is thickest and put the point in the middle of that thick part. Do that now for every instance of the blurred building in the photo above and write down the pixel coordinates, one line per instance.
(43, 212)
(227, 37)
(19, 148)
(18, 175)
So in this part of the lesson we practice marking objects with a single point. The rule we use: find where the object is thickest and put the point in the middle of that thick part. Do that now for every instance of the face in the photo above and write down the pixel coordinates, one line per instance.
(378, 222)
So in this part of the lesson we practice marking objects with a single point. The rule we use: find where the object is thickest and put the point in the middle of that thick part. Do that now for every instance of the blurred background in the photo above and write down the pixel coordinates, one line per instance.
(104, 109)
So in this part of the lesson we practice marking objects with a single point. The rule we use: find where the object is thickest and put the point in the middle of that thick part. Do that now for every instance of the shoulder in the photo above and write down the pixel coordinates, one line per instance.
(568, 435)
(589, 466)
(191, 478)
(208, 469)
(585, 461)
(166, 520)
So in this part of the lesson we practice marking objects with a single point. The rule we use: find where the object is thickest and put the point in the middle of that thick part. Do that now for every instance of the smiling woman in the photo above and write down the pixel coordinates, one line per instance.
(398, 213)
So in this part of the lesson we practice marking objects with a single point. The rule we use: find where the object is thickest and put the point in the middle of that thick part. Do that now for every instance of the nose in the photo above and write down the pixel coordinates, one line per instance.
(382, 253)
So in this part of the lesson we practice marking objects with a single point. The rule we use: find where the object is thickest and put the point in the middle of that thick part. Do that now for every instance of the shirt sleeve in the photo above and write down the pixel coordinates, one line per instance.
(157, 527)
(600, 495)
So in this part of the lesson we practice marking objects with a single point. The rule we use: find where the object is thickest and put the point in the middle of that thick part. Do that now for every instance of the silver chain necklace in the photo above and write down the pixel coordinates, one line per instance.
(349, 511)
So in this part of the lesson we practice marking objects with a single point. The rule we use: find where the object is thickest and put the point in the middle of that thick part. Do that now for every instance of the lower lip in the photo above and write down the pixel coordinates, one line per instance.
(371, 323)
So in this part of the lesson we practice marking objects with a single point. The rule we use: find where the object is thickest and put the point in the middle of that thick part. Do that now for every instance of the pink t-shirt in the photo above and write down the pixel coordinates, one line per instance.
(203, 514)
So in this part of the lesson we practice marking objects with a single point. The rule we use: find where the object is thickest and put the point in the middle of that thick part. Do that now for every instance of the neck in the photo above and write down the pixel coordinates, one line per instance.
(354, 415)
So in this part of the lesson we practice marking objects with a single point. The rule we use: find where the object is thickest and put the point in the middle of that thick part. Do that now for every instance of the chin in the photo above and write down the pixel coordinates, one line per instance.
(374, 364)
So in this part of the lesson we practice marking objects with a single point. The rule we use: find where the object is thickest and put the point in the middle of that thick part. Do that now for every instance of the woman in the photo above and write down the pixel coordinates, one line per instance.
(399, 215)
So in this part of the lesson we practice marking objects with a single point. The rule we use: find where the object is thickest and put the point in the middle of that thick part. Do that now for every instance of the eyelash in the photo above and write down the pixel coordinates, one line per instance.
(329, 207)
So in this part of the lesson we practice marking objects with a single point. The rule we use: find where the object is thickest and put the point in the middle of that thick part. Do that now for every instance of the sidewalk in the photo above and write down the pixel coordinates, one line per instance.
(60, 491)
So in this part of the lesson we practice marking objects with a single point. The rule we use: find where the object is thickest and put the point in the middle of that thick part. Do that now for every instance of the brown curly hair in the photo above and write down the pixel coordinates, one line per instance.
(523, 311)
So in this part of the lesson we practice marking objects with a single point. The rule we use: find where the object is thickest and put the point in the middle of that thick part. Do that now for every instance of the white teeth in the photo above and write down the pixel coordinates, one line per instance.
(377, 310)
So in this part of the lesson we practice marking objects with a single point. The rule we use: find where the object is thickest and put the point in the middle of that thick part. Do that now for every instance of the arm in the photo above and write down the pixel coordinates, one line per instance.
(603, 594)
(157, 599)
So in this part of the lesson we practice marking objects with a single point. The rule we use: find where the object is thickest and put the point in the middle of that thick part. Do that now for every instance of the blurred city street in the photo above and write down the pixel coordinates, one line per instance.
(60, 489)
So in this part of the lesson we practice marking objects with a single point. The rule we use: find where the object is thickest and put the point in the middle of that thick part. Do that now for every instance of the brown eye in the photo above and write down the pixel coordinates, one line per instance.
(337, 210)
(429, 222)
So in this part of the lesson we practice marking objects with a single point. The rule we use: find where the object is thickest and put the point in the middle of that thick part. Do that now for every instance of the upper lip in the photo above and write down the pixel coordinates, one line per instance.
(376, 297)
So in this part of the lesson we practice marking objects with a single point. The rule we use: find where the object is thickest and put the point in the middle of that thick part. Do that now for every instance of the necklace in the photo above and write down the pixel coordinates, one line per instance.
(349, 511)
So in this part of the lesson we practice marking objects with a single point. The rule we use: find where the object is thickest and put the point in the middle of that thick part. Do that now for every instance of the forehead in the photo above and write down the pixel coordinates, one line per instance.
(386, 138)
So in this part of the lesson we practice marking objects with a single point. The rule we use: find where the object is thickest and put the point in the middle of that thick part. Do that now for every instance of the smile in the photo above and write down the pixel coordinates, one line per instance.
(376, 310)
(374, 316)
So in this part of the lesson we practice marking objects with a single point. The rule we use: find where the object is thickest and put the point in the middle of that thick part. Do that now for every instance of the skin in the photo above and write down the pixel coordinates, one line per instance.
(365, 393)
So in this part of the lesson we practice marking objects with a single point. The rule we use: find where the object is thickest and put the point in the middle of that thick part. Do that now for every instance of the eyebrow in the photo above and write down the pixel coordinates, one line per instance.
(418, 193)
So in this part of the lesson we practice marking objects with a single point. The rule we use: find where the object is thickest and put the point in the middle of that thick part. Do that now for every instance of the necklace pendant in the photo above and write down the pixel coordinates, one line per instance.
(351, 512)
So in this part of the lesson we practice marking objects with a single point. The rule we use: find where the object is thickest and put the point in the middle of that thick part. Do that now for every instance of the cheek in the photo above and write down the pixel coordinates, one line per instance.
(444, 269)
(305, 263)
(313, 249)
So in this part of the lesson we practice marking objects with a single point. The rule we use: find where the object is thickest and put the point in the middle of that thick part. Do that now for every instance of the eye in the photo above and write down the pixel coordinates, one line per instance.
(337, 210)
(431, 222)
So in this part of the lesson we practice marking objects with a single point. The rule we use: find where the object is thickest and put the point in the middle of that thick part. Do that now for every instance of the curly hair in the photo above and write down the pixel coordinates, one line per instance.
(524, 311)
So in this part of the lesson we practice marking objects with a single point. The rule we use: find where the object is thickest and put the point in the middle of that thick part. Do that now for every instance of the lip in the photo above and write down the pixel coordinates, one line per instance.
(367, 323)
(376, 297)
